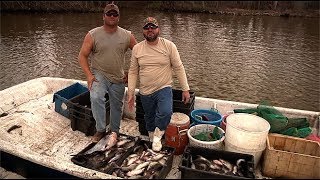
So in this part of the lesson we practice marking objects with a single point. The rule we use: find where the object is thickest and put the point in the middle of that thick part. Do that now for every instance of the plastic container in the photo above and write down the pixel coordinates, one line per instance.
(82, 103)
(223, 123)
(61, 97)
(187, 172)
(81, 115)
(246, 133)
(146, 146)
(214, 117)
(103, 165)
(176, 132)
(199, 128)
(255, 153)
(178, 106)
(83, 123)
(176, 98)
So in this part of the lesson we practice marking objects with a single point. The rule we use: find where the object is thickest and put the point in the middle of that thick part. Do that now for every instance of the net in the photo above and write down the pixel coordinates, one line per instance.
(297, 127)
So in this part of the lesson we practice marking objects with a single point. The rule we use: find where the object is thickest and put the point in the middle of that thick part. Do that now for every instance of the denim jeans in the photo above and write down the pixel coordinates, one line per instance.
(157, 109)
(98, 102)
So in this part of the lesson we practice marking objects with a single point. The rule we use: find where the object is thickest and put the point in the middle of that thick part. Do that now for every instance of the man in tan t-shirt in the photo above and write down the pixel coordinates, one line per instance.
(107, 44)
(154, 61)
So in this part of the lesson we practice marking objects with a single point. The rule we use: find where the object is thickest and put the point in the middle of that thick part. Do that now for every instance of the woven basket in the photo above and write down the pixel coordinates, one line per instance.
(199, 128)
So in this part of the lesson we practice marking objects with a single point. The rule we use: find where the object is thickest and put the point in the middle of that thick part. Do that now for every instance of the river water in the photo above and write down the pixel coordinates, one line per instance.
(237, 58)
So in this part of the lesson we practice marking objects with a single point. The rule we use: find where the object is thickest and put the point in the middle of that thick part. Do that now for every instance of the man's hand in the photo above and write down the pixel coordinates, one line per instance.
(90, 80)
(185, 96)
(130, 101)
(125, 78)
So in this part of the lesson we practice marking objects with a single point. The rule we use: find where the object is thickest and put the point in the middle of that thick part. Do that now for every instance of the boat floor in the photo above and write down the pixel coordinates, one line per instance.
(46, 138)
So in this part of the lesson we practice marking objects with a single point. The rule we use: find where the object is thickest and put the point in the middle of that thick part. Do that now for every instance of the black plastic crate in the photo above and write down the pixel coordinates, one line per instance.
(144, 145)
(139, 115)
(98, 161)
(141, 122)
(84, 122)
(83, 125)
(81, 115)
(142, 128)
(177, 99)
(186, 111)
(139, 110)
(82, 103)
(191, 152)
(178, 104)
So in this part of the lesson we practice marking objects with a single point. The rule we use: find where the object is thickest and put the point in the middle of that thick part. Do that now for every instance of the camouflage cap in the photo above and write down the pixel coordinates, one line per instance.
(150, 20)
(110, 7)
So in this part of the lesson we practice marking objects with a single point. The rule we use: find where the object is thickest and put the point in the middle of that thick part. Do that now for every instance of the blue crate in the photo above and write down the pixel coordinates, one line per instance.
(61, 97)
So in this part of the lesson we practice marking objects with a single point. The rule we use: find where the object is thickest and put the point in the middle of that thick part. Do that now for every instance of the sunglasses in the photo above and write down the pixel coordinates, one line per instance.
(152, 26)
(112, 14)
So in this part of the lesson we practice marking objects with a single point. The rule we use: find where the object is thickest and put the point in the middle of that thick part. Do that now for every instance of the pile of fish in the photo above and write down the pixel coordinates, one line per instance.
(222, 166)
(100, 157)
(143, 163)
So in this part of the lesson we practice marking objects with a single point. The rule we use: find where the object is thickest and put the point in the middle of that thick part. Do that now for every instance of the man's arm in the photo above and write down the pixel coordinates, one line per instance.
(132, 80)
(133, 41)
(180, 72)
(83, 59)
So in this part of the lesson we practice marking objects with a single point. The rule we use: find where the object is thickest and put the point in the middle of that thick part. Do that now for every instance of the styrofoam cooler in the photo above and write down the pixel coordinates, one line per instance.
(246, 133)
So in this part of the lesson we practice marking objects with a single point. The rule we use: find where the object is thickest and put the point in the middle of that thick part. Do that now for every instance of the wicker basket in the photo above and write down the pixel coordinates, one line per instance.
(199, 128)
(291, 157)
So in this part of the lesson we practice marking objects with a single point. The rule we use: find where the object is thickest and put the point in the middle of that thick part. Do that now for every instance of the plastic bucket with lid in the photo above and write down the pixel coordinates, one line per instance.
(246, 133)
(176, 132)
(212, 117)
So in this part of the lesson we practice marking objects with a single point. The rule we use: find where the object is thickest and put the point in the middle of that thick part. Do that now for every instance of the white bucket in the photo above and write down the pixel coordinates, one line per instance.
(199, 128)
(247, 132)
(255, 153)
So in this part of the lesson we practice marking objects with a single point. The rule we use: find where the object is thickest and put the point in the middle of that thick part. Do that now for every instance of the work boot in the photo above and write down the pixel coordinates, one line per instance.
(157, 136)
(150, 135)
(112, 140)
(98, 136)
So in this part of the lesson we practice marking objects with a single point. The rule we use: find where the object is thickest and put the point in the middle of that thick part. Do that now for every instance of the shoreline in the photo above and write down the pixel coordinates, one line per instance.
(233, 12)
(277, 9)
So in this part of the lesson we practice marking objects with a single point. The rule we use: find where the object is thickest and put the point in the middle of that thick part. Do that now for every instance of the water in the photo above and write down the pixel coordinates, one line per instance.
(237, 58)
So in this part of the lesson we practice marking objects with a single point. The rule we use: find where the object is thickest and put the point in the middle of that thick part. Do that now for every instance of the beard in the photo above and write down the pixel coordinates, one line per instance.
(111, 23)
(151, 38)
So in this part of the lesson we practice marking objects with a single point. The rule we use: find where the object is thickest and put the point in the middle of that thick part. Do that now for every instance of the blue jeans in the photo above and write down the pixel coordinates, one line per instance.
(157, 109)
(98, 102)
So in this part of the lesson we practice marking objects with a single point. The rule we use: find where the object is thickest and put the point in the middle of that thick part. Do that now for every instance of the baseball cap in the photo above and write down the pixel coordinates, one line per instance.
(110, 7)
(150, 20)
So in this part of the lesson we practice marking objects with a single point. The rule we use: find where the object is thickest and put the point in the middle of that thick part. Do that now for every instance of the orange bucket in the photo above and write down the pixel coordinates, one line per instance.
(176, 132)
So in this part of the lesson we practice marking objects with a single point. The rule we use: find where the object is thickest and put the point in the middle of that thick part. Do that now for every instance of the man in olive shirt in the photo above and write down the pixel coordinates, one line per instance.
(107, 45)
(154, 61)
